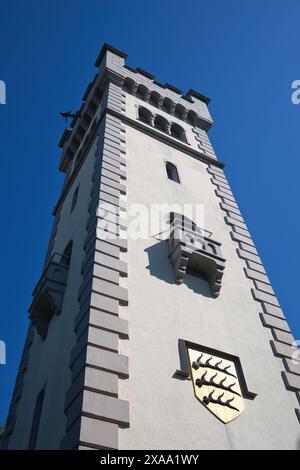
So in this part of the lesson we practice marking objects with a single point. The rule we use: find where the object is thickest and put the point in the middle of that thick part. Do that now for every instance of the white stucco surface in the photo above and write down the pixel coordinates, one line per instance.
(50, 359)
(164, 414)
(163, 410)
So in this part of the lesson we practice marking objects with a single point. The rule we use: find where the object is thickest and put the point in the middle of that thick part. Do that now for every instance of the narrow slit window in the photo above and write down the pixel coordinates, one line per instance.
(74, 198)
(36, 420)
(67, 253)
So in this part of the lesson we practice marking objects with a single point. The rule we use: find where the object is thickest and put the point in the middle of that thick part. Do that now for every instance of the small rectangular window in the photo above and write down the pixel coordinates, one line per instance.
(172, 172)
(74, 198)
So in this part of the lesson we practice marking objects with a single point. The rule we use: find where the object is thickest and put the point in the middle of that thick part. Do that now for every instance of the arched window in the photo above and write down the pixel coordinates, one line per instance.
(128, 85)
(161, 124)
(180, 111)
(191, 118)
(154, 99)
(167, 105)
(36, 420)
(141, 92)
(145, 115)
(178, 132)
(67, 253)
(172, 172)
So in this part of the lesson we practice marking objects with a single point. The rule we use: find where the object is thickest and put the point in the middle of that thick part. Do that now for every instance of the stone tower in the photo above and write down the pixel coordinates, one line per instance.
(166, 338)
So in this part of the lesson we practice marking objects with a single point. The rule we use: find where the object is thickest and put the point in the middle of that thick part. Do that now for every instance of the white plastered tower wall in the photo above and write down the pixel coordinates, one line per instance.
(109, 359)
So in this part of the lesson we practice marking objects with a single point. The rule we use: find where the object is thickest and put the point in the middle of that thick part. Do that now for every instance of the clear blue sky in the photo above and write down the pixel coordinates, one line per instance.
(243, 54)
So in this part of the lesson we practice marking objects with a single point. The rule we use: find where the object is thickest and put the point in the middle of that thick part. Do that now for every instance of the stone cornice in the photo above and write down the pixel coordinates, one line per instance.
(75, 172)
(110, 70)
(166, 138)
(99, 85)
(185, 148)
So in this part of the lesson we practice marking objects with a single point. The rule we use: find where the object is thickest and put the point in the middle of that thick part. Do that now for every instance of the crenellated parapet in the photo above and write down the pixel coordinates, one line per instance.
(190, 108)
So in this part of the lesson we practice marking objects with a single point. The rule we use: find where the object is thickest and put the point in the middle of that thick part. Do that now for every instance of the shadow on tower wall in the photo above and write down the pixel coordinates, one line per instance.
(160, 267)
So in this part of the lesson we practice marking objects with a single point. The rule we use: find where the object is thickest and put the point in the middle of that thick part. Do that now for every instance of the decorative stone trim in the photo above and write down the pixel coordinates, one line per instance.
(149, 120)
(191, 250)
(271, 316)
(94, 412)
(112, 67)
(182, 146)
(112, 157)
(188, 109)
(19, 384)
(273, 322)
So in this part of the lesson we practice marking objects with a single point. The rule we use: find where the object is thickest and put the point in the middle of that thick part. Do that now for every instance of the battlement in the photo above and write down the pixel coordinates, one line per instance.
(111, 62)
(138, 70)
(112, 57)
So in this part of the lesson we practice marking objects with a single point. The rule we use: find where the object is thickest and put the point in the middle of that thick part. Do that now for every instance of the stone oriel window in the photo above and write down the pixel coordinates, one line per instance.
(193, 251)
(49, 293)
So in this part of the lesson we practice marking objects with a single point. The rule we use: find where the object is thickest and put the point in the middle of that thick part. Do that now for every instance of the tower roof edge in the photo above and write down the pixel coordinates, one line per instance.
(199, 96)
(107, 47)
